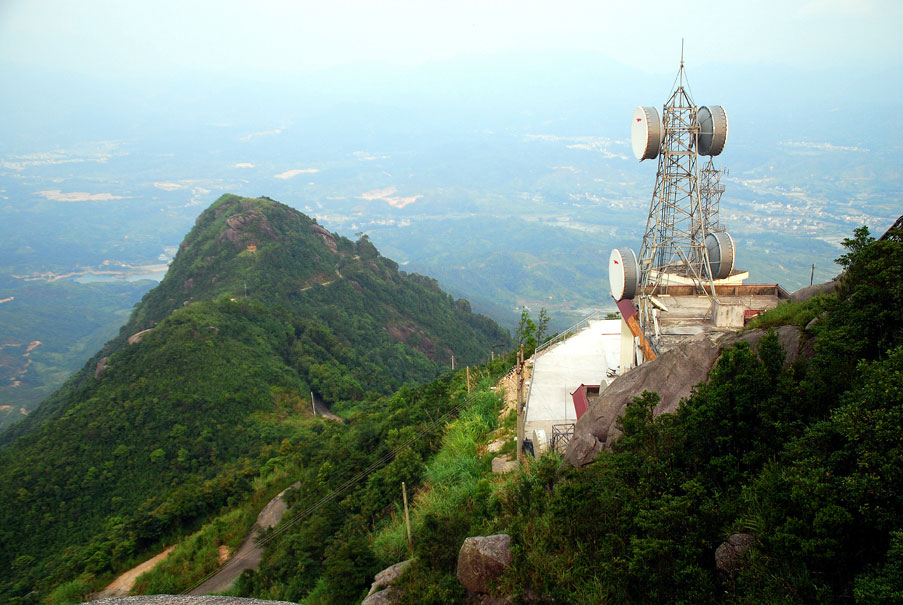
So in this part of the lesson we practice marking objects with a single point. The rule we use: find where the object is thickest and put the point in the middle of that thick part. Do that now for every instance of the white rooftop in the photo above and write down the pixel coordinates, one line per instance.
(583, 358)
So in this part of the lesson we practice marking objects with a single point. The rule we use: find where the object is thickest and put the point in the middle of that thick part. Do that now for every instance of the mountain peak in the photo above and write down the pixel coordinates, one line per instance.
(261, 310)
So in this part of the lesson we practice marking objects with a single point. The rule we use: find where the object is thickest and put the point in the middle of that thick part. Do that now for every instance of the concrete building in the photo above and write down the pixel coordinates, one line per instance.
(595, 351)
(587, 354)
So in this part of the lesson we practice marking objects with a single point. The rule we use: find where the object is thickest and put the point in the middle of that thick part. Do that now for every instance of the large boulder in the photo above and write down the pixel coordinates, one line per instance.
(388, 596)
(814, 290)
(672, 375)
(387, 577)
(728, 556)
(501, 465)
(482, 560)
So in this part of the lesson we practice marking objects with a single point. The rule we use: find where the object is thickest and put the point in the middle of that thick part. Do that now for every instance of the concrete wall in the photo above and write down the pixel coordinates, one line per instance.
(729, 315)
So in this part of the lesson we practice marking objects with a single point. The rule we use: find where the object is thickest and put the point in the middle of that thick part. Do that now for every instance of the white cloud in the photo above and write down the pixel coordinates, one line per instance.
(99, 152)
(243, 165)
(293, 173)
(386, 195)
(585, 143)
(78, 196)
(262, 133)
(821, 146)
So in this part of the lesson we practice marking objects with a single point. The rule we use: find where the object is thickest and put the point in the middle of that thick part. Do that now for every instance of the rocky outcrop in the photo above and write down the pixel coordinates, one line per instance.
(101, 367)
(502, 465)
(672, 375)
(728, 556)
(381, 590)
(236, 226)
(482, 560)
(137, 336)
(411, 334)
(389, 596)
(326, 236)
(810, 291)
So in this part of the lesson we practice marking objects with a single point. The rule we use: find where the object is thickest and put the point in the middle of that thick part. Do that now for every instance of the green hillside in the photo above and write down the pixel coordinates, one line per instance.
(804, 459)
(260, 307)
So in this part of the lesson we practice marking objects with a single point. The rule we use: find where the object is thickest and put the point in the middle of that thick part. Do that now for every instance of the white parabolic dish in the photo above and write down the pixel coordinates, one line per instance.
(646, 133)
(722, 253)
(623, 276)
(713, 128)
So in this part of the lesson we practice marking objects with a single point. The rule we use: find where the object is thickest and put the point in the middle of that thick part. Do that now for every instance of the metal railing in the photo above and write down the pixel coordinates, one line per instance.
(583, 323)
(561, 436)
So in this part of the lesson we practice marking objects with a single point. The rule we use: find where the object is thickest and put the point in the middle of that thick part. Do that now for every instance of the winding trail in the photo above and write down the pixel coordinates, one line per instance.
(249, 553)
(121, 586)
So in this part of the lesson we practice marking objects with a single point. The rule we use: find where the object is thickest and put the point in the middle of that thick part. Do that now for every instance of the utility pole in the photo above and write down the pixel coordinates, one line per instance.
(453, 362)
(407, 518)
(812, 275)
(312, 405)
(520, 405)
(468, 380)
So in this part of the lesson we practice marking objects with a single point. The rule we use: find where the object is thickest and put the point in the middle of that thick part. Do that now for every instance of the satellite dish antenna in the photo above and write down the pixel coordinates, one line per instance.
(712, 123)
(683, 238)
(720, 246)
(646, 133)
(623, 273)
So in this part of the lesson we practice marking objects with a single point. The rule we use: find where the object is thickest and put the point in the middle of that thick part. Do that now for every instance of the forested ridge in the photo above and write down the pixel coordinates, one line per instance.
(260, 308)
(804, 459)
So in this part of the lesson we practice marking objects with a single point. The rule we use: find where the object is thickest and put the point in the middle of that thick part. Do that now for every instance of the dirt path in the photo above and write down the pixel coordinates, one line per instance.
(249, 553)
(121, 586)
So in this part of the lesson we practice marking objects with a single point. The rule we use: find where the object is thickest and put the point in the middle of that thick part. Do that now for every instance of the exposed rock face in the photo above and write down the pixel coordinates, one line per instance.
(389, 596)
(810, 291)
(236, 225)
(101, 367)
(672, 375)
(137, 336)
(482, 560)
(387, 577)
(501, 465)
(409, 333)
(327, 237)
(728, 556)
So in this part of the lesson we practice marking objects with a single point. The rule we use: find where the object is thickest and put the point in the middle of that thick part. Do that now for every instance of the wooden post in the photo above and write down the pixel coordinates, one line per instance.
(468, 380)
(520, 404)
(407, 518)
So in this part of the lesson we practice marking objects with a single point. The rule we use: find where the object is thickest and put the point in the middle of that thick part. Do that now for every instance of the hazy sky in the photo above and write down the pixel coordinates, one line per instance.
(121, 36)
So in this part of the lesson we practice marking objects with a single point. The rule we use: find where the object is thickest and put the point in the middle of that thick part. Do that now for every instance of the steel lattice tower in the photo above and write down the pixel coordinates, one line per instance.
(710, 191)
(674, 240)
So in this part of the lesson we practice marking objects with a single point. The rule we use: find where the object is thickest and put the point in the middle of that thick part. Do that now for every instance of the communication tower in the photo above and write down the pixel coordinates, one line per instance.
(684, 242)
(710, 191)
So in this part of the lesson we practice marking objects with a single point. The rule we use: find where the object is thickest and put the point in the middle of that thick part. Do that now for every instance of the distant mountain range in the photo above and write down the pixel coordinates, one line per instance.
(508, 179)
